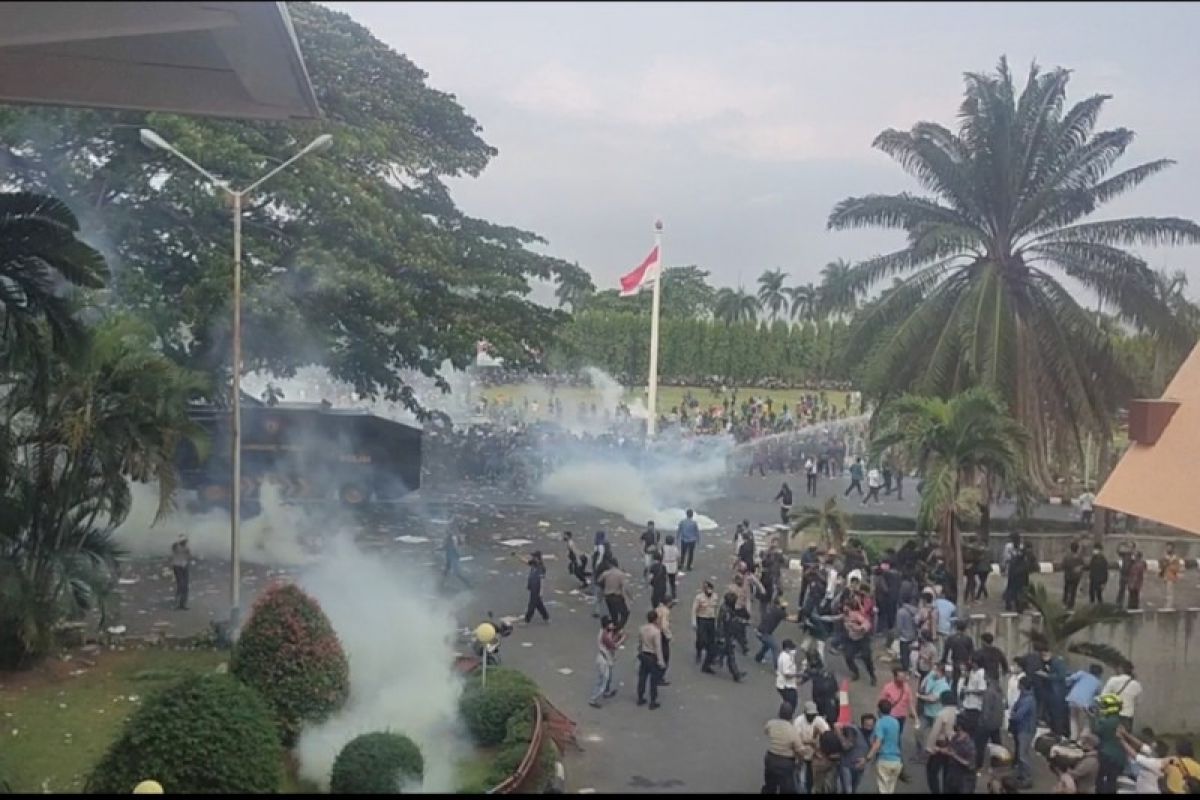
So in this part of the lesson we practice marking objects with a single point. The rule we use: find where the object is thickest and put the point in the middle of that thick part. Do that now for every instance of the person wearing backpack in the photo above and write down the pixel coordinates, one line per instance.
(1181, 774)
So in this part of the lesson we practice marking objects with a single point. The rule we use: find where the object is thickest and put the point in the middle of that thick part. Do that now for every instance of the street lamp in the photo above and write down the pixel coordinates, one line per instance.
(485, 634)
(155, 142)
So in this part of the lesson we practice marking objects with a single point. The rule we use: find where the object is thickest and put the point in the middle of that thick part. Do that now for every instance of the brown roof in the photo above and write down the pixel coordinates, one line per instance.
(1159, 481)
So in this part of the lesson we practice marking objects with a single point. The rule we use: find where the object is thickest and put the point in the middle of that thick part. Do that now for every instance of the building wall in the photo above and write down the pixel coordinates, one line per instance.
(1158, 644)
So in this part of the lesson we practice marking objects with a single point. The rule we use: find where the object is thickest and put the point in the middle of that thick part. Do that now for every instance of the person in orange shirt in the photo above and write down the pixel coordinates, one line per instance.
(899, 693)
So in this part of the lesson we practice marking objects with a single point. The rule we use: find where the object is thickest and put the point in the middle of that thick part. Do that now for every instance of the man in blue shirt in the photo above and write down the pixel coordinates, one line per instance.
(689, 537)
(1022, 723)
(885, 749)
(1083, 685)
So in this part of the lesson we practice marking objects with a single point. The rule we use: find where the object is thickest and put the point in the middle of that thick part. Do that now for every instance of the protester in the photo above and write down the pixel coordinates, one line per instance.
(991, 658)
(181, 560)
(670, 558)
(649, 540)
(1181, 774)
(810, 476)
(885, 749)
(930, 690)
(1126, 687)
(856, 743)
(658, 581)
(809, 727)
(650, 660)
(858, 640)
(1097, 575)
(730, 630)
(899, 694)
(941, 729)
(576, 564)
(774, 614)
(958, 651)
(856, 476)
(874, 484)
(1022, 724)
(906, 631)
(1112, 754)
(689, 537)
(786, 673)
(1072, 570)
(961, 754)
(784, 498)
(1084, 776)
(1150, 760)
(608, 642)
(1083, 689)
(824, 687)
(533, 583)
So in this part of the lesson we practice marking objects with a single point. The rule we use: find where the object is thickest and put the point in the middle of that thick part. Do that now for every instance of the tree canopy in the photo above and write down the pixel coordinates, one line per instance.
(356, 258)
(982, 303)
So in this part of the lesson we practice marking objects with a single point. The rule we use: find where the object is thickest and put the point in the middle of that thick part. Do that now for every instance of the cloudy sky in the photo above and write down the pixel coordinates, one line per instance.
(740, 125)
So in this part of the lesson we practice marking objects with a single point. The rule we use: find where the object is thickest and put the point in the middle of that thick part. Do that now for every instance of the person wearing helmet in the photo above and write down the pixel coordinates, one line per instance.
(1112, 752)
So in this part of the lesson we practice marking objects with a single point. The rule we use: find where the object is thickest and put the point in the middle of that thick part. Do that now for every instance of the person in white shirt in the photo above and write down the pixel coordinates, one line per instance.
(971, 693)
(1125, 686)
(785, 673)
(1150, 761)
(670, 559)
(874, 484)
(810, 474)
(1013, 691)
(809, 727)
(1087, 502)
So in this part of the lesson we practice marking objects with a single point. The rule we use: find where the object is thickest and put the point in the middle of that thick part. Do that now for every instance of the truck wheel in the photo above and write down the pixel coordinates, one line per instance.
(351, 494)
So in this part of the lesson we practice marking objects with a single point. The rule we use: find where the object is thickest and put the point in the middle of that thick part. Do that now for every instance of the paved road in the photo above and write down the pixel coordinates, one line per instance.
(707, 737)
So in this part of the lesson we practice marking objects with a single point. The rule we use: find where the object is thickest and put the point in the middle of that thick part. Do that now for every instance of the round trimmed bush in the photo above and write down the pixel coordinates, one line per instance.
(486, 711)
(376, 763)
(206, 734)
(289, 653)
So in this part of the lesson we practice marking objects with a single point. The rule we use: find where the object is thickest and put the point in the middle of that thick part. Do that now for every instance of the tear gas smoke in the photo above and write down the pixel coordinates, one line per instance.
(400, 644)
(279, 535)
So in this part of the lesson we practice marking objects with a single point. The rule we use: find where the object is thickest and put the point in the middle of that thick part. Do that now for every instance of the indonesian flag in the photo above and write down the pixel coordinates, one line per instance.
(644, 275)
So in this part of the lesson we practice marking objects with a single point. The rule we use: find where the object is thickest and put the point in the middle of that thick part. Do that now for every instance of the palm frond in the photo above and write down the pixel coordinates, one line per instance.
(1104, 653)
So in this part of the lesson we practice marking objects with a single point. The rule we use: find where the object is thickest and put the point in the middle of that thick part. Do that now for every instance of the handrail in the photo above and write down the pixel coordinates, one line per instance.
(510, 784)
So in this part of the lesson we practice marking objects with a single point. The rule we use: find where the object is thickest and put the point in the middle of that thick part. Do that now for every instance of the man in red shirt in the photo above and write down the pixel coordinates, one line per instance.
(899, 692)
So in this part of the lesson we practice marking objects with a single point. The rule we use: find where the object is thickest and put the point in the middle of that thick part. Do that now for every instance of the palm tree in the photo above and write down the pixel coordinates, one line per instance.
(804, 301)
(980, 304)
(38, 252)
(735, 306)
(954, 444)
(1058, 625)
(837, 295)
(772, 294)
(1169, 287)
(829, 520)
(115, 412)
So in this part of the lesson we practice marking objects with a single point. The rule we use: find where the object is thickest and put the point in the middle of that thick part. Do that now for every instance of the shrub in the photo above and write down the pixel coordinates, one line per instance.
(519, 727)
(289, 653)
(205, 734)
(486, 711)
(376, 763)
(506, 762)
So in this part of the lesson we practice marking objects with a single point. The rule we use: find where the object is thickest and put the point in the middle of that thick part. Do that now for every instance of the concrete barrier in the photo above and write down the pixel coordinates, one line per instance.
(1156, 641)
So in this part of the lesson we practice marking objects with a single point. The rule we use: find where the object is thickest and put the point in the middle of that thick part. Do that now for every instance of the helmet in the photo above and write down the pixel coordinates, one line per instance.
(1108, 704)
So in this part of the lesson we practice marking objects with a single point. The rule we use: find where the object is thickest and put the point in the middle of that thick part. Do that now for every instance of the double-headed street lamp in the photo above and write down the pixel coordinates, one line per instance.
(154, 141)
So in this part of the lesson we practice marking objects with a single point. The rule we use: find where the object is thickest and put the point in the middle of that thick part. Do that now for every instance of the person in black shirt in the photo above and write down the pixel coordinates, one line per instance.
(745, 552)
(649, 547)
(991, 658)
(958, 651)
(785, 502)
(824, 688)
(537, 571)
(1097, 575)
(1072, 569)
(960, 760)
(774, 614)
(658, 581)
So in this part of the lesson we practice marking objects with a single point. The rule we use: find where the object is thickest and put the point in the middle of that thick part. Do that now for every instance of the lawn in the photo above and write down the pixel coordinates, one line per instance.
(60, 718)
(668, 396)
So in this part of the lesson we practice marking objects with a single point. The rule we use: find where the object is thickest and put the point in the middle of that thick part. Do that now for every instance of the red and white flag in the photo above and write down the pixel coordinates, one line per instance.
(644, 275)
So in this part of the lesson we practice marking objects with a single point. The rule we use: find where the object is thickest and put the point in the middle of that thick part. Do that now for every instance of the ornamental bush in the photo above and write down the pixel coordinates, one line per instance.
(486, 711)
(377, 763)
(289, 653)
(206, 734)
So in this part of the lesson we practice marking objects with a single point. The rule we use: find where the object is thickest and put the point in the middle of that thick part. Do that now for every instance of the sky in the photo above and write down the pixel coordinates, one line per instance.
(741, 125)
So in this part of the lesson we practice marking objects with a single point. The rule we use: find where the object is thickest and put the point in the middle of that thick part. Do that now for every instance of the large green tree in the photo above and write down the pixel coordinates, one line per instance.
(773, 294)
(981, 302)
(356, 258)
(686, 292)
(736, 305)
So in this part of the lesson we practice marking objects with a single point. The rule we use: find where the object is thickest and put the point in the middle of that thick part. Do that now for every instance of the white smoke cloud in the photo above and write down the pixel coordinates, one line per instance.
(280, 535)
(400, 644)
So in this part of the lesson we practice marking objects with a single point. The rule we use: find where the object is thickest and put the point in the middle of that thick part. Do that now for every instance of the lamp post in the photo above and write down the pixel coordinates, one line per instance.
(485, 634)
(236, 197)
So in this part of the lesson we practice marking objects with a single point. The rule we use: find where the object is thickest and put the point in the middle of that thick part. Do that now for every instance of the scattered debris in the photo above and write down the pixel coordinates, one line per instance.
(516, 542)
(565, 671)
(407, 539)
(127, 581)
(526, 644)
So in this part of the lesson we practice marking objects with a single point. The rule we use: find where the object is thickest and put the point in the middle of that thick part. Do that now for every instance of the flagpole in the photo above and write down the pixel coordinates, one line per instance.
(652, 422)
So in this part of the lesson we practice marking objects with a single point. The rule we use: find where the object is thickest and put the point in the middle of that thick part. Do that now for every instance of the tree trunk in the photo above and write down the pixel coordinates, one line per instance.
(985, 522)
(1100, 521)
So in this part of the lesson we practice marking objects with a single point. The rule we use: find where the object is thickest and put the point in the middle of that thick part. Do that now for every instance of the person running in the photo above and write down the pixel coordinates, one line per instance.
(608, 642)
(783, 751)
(576, 563)
(704, 623)
(885, 749)
(874, 484)
(650, 660)
(689, 537)
(784, 498)
(730, 631)
(670, 558)
(858, 640)
(856, 477)
(769, 622)
(1097, 575)
(533, 583)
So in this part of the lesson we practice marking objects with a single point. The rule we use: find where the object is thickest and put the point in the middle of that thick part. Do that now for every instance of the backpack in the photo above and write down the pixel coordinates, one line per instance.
(991, 716)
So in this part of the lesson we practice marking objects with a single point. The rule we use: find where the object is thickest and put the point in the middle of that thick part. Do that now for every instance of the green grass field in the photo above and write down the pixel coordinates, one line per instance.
(58, 722)
(668, 396)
